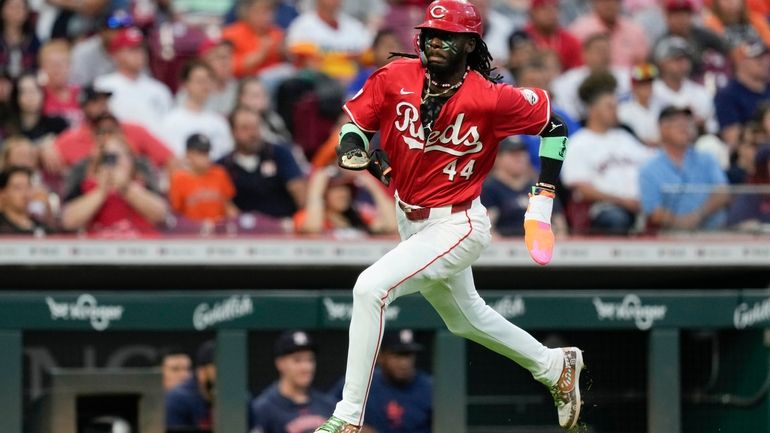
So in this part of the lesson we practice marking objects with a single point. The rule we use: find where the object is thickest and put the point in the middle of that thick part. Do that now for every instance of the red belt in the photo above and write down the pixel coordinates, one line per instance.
(422, 213)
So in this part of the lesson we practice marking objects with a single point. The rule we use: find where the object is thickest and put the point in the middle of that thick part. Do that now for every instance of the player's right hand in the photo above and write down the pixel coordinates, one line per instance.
(538, 235)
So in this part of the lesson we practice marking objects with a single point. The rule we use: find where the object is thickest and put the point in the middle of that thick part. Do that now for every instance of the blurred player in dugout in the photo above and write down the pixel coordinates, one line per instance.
(291, 405)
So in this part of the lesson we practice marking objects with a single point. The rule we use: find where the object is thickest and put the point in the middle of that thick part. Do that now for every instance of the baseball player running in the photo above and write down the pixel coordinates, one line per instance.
(441, 115)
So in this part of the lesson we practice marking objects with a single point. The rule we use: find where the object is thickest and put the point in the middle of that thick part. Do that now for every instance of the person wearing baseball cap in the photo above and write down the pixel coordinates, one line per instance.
(400, 397)
(188, 405)
(505, 193)
(547, 33)
(91, 57)
(738, 100)
(257, 42)
(680, 21)
(202, 191)
(673, 57)
(678, 165)
(291, 402)
(136, 96)
(640, 112)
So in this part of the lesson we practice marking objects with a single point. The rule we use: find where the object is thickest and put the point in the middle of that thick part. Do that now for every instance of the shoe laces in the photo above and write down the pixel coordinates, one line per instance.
(332, 425)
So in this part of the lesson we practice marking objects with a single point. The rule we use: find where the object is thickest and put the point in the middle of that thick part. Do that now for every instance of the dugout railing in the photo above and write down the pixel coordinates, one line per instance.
(661, 315)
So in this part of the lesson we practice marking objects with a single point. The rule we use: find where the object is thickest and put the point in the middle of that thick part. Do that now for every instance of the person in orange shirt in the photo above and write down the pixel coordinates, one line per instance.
(203, 191)
(733, 20)
(257, 42)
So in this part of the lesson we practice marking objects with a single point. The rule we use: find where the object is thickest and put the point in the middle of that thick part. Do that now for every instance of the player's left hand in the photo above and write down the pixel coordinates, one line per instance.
(379, 166)
(537, 225)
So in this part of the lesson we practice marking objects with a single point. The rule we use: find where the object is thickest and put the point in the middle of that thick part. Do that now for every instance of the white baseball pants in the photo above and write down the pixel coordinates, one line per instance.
(434, 258)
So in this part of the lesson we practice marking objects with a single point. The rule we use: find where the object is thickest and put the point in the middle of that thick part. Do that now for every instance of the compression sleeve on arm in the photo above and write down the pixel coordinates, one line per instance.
(553, 149)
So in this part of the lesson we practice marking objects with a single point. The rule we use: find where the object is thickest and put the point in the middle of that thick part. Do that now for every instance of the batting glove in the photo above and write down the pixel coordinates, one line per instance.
(537, 224)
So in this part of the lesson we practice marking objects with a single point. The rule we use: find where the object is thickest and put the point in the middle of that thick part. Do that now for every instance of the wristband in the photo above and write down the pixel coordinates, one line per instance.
(553, 147)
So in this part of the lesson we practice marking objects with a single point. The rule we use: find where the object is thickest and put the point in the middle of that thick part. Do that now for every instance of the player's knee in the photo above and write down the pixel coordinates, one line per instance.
(460, 328)
(367, 289)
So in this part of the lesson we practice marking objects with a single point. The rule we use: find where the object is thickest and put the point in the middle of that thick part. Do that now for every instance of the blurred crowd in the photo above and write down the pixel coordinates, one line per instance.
(126, 118)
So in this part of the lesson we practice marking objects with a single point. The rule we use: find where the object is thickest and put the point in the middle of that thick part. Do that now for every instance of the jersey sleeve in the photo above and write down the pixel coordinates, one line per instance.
(520, 110)
(364, 108)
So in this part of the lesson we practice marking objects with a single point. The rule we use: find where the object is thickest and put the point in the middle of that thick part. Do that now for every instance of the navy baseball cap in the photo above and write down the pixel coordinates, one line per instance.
(199, 142)
(293, 341)
(672, 110)
(512, 144)
(89, 93)
(206, 353)
(400, 341)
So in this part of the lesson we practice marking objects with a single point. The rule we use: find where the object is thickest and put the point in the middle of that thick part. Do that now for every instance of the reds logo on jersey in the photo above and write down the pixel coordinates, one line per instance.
(407, 122)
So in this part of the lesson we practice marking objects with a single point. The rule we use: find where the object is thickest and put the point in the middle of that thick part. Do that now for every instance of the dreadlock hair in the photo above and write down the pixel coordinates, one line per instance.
(479, 59)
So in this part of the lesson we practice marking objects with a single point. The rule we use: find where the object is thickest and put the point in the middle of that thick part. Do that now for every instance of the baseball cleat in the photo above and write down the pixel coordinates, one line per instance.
(566, 391)
(336, 425)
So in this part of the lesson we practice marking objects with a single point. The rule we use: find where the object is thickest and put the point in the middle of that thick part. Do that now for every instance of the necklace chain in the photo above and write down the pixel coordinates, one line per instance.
(447, 87)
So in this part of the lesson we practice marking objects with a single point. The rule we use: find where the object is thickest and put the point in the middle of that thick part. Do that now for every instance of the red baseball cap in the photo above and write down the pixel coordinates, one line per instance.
(541, 3)
(211, 43)
(453, 16)
(680, 5)
(127, 38)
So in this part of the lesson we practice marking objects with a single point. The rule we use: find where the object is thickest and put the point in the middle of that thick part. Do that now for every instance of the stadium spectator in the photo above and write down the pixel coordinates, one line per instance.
(521, 51)
(709, 51)
(750, 210)
(18, 43)
(506, 192)
(596, 58)
(91, 56)
(266, 176)
(27, 117)
(497, 28)
(544, 28)
(385, 42)
(218, 54)
(334, 37)
(536, 73)
(202, 191)
(257, 42)
(15, 198)
(193, 117)
(136, 97)
(640, 112)
(734, 22)
(673, 87)
(402, 16)
(75, 144)
(253, 95)
(291, 405)
(332, 206)
(603, 161)
(737, 102)
(400, 398)
(189, 404)
(682, 188)
(628, 41)
(60, 96)
(19, 151)
(113, 194)
(175, 366)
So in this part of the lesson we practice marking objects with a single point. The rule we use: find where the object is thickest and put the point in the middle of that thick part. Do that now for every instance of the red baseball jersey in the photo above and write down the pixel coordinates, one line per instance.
(450, 164)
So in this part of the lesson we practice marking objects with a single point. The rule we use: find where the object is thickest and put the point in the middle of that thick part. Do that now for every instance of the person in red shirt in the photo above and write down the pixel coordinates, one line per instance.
(60, 97)
(113, 194)
(257, 42)
(202, 191)
(441, 115)
(75, 144)
(546, 32)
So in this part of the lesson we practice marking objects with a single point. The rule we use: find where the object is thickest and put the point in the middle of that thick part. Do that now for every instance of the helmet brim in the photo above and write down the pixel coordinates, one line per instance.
(445, 26)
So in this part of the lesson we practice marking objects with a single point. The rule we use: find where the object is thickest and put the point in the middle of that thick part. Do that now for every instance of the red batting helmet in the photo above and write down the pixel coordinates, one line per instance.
(456, 16)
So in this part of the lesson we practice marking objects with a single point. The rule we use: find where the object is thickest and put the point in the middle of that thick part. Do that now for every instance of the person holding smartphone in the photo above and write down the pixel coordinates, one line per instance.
(113, 194)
